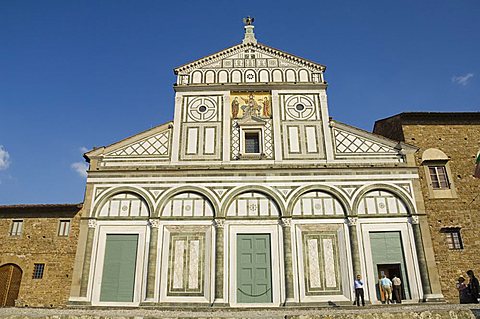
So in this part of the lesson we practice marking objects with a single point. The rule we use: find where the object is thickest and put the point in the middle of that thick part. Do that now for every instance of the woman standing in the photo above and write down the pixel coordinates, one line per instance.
(473, 286)
(462, 288)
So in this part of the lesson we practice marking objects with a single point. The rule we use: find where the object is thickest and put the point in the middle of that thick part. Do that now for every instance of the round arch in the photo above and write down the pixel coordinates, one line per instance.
(385, 187)
(104, 197)
(10, 286)
(209, 196)
(434, 154)
(269, 192)
(334, 192)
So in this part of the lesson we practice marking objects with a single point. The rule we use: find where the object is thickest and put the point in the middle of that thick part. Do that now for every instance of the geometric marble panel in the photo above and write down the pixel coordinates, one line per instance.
(381, 202)
(346, 142)
(186, 264)
(157, 145)
(124, 205)
(321, 262)
(187, 205)
(252, 204)
(317, 203)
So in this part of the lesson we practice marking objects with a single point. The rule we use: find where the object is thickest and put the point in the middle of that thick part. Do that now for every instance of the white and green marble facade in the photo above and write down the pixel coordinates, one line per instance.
(317, 188)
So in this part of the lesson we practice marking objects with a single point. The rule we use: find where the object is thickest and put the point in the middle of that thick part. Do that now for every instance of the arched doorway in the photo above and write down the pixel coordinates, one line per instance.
(10, 278)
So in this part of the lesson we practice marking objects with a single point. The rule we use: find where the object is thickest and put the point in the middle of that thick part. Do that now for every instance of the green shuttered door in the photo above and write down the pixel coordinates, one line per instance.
(254, 271)
(118, 277)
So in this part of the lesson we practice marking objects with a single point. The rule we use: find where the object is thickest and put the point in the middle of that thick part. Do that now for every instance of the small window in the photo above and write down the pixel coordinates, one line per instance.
(17, 228)
(64, 228)
(438, 175)
(38, 271)
(252, 142)
(453, 238)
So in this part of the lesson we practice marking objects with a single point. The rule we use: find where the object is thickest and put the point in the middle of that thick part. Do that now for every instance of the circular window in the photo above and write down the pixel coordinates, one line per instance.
(300, 107)
(202, 108)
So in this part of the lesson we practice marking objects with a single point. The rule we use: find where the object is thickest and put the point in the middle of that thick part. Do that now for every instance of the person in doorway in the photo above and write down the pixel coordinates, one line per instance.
(387, 288)
(359, 293)
(397, 289)
(462, 288)
(473, 287)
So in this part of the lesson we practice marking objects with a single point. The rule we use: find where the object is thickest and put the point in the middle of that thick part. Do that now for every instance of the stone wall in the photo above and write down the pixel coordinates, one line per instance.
(460, 143)
(40, 243)
(458, 136)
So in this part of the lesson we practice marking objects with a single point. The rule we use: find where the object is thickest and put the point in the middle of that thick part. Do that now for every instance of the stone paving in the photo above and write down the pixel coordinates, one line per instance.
(423, 311)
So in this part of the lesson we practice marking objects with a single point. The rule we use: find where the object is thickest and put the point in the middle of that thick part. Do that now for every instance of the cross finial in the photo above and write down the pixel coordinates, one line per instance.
(249, 35)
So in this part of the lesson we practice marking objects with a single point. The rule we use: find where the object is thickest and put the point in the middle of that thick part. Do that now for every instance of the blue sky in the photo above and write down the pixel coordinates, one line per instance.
(78, 74)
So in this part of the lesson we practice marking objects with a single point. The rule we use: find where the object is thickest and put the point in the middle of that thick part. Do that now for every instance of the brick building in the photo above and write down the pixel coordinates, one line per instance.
(37, 251)
(448, 145)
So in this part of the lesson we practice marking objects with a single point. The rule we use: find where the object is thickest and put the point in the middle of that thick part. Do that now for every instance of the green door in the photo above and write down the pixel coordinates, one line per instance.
(119, 263)
(254, 270)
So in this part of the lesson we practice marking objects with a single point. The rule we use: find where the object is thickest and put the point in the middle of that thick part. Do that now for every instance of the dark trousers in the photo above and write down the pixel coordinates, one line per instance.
(397, 293)
(359, 294)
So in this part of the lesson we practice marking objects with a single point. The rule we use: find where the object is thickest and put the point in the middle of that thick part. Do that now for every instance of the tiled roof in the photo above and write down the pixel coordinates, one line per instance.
(40, 208)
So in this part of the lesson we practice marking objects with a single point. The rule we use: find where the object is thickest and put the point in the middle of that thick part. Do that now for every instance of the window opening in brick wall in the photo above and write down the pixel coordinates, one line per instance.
(38, 271)
(17, 228)
(64, 227)
(453, 238)
(438, 175)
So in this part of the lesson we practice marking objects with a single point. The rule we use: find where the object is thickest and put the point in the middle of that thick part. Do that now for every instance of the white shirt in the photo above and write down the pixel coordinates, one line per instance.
(358, 283)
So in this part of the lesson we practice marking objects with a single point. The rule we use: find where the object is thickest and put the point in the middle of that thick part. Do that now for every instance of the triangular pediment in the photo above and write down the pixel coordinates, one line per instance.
(251, 120)
(155, 142)
(245, 51)
(250, 63)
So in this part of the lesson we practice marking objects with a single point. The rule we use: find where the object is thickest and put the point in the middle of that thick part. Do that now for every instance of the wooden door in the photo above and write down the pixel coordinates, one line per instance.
(119, 267)
(254, 270)
(10, 279)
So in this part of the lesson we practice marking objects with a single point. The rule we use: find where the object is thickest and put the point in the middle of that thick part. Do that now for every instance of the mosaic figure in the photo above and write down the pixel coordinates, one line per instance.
(235, 108)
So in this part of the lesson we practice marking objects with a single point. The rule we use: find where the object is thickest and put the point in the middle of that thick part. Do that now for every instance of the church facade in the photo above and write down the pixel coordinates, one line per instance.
(251, 197)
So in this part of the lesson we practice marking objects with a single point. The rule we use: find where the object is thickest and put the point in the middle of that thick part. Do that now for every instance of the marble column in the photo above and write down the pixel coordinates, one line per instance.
(152, 258)
(422, 263)
(352, 231)
(287, 251)
(92, 224)
(219, 255)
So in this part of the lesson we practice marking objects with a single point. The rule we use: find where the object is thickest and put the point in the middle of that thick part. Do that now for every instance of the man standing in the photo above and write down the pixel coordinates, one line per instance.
(358, 285)
(387, 287)
(397, 289)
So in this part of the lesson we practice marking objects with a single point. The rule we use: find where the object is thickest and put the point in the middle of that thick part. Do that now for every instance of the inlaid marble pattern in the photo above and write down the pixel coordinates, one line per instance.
(313, 263)
(124, 205)
(252, 204)
(157, 145)
(346, 142)
(187, 205)
(328, 256)
(317, 204)
(186, 264)
(202, 108)
(253, 63)
(321, 262)
(381, 202)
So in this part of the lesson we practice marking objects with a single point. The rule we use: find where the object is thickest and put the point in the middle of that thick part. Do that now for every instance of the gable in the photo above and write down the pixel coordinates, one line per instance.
(250, 63)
